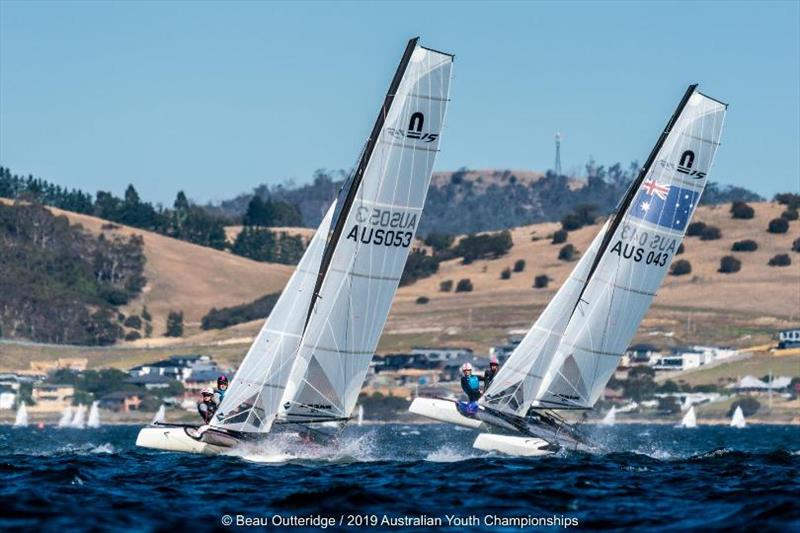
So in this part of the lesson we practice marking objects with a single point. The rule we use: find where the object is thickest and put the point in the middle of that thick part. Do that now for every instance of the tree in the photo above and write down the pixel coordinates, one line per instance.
(742, 210)
(174, 324)
(669, 405)
(146, 316)
(790, 214)
(729, 265)
(640, 385)
(464, 285)
(681, 267)
(695, 229)
(541, 281)
(506, 273)
(780, 260)
(419, 265)
(446, 286)
(422, 300)
(796, 245)
(778, 225)
(710, 233)
(440, 242)
(567, 252)
(560, 236)
(789, 199)
(680, 249)
(484, 246)
(519, 265)
(747, 245)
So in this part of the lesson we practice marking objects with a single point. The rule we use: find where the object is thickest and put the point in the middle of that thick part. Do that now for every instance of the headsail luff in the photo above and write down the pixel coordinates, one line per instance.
(254, 396)
(376, 228)
(611, 288)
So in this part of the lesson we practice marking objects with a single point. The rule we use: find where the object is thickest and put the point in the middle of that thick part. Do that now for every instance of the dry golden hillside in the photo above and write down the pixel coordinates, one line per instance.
(190, 278)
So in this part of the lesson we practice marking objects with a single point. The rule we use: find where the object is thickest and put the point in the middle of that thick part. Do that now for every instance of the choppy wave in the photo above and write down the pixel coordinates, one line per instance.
(650, 477)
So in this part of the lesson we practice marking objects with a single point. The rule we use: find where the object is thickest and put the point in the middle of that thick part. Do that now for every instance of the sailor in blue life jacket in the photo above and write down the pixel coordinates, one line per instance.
(470, 383)
(222, 387)
(207, 407)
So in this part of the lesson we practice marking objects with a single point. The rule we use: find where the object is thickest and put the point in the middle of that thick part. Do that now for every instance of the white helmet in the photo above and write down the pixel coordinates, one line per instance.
(465, 367)
(208, 391)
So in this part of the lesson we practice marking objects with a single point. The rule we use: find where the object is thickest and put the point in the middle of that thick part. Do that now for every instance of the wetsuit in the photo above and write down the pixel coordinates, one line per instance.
(488, 376)
(471, 387)
(207, 410)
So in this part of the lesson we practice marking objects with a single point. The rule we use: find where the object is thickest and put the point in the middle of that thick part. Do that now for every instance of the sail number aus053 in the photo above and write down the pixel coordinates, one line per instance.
(383, 227)
(642, 246)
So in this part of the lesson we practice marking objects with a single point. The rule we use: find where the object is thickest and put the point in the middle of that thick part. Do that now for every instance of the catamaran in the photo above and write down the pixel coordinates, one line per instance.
(737, 420)
(569, 354)
(689, 420)
(306, 366)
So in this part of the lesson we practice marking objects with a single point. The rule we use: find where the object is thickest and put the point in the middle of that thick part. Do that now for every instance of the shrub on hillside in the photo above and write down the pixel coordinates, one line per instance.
(789, 199)
(133, 336)
(796, 245)
(560, 236)
(778, 225)
(464, 285)
(440, 242)
(174, 324)
(133, 321)
(505, 274)
(583, 215)
(519, 265)
(748, 404)
(747, 245)
(780, 260)
(541, 281)
(422, 300)
(742, 210)
(485, 246)
(446, 285)
(681, 267)
(419, 265)
(729, 265)
(680, 250)
(237, 314)
(710, 233)
(790, 214)
(695, 229)
(567, 252)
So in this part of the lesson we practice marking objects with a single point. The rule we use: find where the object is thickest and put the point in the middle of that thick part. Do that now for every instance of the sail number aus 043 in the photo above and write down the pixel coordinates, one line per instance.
(383, 227)
(644, 247)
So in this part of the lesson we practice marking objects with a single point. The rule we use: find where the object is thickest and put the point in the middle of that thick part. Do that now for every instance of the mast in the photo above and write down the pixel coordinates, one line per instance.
(359, 173)
(631, 192)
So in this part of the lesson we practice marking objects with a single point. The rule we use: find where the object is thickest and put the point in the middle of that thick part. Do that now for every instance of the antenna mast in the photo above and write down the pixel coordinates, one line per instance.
(557, 168)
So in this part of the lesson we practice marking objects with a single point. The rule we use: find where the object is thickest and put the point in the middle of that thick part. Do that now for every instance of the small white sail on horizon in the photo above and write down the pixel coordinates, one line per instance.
(689, 420)
(79, 420)
(737, 420)
(360, 415)
(21, 420)
(160, 415)
(611, 417)
(94, 416)
(66, 417)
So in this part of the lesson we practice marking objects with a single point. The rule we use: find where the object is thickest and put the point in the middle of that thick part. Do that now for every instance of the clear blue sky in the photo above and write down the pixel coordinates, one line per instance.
(217, 98)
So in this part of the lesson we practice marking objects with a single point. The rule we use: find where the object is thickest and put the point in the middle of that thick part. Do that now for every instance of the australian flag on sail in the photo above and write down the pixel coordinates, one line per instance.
(668, 206)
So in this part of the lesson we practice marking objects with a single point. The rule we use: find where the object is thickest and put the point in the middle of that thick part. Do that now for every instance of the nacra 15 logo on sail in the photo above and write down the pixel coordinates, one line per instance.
(684, 165)
(414, 130)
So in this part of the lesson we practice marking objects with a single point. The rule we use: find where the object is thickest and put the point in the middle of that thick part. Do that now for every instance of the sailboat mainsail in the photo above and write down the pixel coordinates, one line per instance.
(570, 353)
(310, 358)
(370, 241)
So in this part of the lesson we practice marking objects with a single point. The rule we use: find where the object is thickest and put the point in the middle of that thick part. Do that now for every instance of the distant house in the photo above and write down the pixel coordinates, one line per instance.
(177, 367)
(438, 355)
(7, 398)
(641, 354)
(200, 380)
(50, 398)
(504, 351)
(121, 401)
(688, 357)
(150, 381)
(789, 338)
(751, 384)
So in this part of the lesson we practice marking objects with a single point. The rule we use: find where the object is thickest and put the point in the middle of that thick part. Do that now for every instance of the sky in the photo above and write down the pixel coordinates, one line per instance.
(217, 98)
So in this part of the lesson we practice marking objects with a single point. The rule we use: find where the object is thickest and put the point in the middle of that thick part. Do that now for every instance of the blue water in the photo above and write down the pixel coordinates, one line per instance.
(658, 478)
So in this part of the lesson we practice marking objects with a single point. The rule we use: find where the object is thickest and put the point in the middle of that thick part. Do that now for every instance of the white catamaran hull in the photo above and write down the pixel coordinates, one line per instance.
(510, 445)
(443, 411)
(174, 439)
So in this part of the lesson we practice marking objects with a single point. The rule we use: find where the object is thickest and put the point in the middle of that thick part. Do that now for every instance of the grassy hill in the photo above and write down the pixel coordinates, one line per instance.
(741, 309)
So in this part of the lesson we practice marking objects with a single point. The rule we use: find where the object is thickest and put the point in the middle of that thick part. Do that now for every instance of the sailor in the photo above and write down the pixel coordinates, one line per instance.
(222, 387)
(490, 372)
(470, 384)
(207, 407)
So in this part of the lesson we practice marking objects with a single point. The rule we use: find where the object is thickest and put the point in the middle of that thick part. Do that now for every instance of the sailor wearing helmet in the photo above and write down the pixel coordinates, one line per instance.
(207, 407)
(470, 383)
